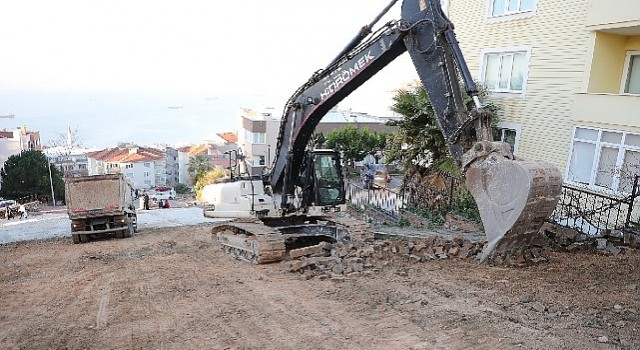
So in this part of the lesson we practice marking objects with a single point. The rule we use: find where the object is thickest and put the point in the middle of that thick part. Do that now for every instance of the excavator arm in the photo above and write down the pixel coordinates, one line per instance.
(514, 197)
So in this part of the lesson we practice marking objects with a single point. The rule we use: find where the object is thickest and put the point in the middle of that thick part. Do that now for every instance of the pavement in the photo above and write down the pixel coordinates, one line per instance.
(53, 222)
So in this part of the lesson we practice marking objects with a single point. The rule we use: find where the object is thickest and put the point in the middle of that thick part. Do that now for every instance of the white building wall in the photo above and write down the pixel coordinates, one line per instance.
(183, 167)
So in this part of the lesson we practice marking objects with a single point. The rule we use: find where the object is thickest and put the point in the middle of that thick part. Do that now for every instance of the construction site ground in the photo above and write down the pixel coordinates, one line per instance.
(174, 288)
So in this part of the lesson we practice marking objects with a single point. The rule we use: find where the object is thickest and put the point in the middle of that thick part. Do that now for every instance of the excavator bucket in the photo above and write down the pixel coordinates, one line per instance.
(514, 198)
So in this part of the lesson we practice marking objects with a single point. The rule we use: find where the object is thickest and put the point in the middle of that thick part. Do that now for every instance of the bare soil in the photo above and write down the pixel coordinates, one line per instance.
(175, 288)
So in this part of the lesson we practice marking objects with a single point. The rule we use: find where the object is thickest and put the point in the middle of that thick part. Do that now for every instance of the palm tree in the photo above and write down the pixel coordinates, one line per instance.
(198, 165)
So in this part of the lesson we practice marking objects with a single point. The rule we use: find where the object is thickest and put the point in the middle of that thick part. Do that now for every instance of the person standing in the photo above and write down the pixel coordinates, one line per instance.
(23, 211)
(146, 201)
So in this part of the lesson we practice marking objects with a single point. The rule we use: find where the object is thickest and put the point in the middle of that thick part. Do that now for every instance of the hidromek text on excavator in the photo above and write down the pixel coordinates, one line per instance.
(294, 204)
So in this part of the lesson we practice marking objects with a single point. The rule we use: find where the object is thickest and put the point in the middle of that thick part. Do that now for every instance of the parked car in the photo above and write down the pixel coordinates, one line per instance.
(375, 176)
(7, 203)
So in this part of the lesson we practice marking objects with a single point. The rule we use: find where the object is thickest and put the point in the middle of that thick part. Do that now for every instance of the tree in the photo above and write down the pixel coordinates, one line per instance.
(208, 178)
(355, 143)
(198, 165)
(27, 173)
(419, 139)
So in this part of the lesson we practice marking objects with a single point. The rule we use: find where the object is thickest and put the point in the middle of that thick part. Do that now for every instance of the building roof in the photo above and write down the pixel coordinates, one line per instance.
(230, 137)
(127, 155)
(194, 150)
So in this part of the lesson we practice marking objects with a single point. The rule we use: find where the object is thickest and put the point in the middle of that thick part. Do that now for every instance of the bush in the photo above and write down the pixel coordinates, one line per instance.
(464, 205)
(182, 189)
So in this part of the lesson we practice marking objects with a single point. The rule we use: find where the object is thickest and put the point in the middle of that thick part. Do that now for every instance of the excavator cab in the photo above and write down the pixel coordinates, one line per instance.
(322, 181)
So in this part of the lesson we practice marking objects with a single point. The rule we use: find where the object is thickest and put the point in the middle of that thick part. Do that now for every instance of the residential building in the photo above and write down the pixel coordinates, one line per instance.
(14, 141)
(258, 137)
(566, 75)
(71, 162)
(340, 118)
(173, 167)
(145, 167)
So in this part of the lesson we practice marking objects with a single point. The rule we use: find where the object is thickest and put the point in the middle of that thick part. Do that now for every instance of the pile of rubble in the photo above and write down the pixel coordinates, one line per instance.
(337, 261)
(609, 242)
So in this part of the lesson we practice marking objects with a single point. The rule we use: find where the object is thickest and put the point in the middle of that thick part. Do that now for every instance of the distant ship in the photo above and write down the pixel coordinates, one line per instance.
(8, 115)
(175, 107)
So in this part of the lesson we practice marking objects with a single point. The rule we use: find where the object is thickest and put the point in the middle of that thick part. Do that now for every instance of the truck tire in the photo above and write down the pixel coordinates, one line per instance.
(76, 239)
(129, 230)
(135, 223)
(84, 238)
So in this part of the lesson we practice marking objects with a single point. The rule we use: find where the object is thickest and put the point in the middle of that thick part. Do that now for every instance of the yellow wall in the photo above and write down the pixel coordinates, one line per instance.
(607, 64)
(633, 43)
(559, 45)
(612, 13)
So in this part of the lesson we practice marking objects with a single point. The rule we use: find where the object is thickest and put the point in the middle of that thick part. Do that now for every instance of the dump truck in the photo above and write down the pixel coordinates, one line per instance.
(99, 205)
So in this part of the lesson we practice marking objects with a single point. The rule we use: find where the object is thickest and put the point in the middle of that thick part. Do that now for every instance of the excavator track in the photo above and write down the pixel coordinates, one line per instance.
(251, 241)
(261, 243)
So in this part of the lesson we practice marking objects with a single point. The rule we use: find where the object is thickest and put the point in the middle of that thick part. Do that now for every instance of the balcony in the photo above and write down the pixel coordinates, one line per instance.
(615, 109)
(620, 17)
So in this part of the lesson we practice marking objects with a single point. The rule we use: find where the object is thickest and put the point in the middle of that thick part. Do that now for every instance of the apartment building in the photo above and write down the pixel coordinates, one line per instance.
(566, 75)
(14, 141)
(258, 136)
(144, 167)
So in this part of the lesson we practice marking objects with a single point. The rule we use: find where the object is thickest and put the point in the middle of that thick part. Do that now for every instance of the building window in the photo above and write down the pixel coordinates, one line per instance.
(506, 70)
(258, 160)
(510, 7)
(147, 173)
(147, 165)
(604, 159)
(631, 78)
(509, 134)
(129, 175)
(128, 166)
(255, 137)
(82, 166)
(147, 182)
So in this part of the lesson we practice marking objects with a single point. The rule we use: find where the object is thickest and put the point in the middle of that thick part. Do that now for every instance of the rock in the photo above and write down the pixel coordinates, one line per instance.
(617, 307)
(458, 240)
(454, 250)
(620, 324)
(603, 339)
(414, 258)
(526, 298)
(538, 307)
(403, 273)
(601, 243)
(613, 249)
(366, 252)
(551, 315)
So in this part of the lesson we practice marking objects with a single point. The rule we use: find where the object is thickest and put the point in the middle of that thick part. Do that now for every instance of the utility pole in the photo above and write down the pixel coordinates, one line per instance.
(53, 196)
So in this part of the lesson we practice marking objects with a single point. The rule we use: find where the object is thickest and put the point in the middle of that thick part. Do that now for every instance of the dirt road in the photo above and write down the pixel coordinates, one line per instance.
(174, 288)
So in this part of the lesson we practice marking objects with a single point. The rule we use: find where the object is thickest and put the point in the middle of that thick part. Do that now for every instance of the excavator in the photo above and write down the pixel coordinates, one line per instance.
(293, 205)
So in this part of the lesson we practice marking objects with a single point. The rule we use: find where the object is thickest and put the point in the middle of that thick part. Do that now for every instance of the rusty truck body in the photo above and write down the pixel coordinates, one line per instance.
(99, 205)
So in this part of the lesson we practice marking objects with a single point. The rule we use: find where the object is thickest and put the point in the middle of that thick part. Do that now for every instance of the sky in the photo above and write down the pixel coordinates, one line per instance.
(111, 69)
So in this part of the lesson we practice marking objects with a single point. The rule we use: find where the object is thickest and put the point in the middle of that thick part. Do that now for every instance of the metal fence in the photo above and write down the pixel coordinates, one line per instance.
(581, 209)
(593, 213)
(388, 201)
